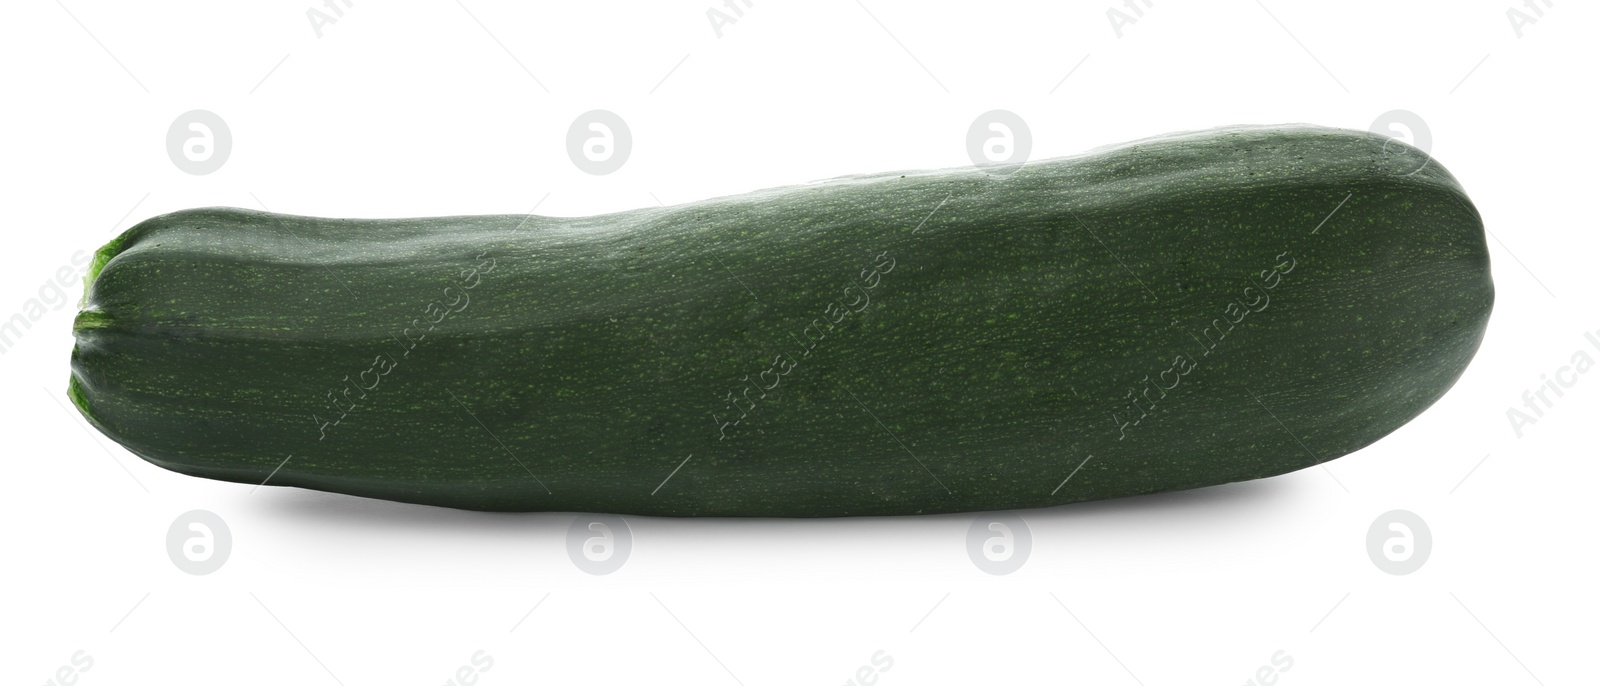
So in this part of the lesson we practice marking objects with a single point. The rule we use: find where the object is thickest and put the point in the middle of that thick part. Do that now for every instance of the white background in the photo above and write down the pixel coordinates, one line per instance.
(434, 108)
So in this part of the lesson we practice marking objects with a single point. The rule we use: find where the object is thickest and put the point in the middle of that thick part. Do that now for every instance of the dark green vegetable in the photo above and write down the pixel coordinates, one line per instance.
(1177, 312)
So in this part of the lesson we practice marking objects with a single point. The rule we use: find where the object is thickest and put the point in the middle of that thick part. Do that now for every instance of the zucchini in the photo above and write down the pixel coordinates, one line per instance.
(1178, 312)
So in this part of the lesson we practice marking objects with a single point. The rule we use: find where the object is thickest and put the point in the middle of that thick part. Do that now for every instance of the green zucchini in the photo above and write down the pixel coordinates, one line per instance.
(1178, 312)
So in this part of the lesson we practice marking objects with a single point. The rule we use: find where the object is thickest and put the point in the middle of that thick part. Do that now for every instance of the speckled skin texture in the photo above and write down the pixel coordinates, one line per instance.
(1076, 318)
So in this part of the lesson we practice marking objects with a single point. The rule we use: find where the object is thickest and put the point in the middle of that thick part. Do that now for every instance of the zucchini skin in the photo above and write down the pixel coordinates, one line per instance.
(1088, 327)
